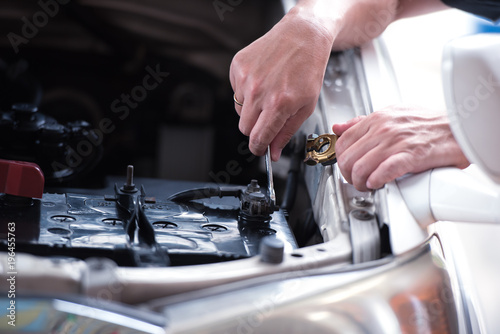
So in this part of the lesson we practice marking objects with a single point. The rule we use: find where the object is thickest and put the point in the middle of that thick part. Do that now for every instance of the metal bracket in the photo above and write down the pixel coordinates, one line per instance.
(321, 149)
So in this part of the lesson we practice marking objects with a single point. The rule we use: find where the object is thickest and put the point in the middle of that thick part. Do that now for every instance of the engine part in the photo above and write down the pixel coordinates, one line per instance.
(19, 178)
(63, 152)
(255, 205)
(271, 250)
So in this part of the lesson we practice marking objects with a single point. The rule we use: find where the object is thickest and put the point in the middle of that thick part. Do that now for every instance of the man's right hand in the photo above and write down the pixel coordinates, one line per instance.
(278, 78)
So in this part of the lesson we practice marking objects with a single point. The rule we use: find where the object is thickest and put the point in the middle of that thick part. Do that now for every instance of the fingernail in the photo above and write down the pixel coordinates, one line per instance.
(369, 185)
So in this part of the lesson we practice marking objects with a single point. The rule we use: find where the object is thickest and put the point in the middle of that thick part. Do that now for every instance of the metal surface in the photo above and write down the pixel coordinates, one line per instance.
(406, 294)
(140, 285)
(363, 226)
(344, 96)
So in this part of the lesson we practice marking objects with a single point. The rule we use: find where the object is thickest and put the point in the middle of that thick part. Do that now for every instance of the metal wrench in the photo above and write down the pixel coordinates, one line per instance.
(270, 183)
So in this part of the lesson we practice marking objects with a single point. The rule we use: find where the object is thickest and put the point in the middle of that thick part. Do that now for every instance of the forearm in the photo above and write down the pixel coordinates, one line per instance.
(348, 23)
(409, 8)
(351, 23)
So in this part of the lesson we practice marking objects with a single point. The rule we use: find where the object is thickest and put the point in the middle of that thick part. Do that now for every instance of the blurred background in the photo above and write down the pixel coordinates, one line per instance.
(415, 46)
(155, 72)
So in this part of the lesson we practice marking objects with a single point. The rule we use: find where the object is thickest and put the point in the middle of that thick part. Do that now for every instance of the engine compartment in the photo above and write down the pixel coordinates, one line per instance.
(151, 192)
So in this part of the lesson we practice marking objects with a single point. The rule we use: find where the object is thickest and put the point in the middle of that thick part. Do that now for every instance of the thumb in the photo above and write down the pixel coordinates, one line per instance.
(340, 128)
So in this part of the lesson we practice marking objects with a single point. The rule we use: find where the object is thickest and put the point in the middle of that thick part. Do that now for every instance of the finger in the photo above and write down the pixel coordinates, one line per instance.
(267, 126)
(390, 169)
(358, 127)
(249, 114)
(364, 167)
(238, 109)
(291, 126)
(238, 104)
(347, 158)
(340, 128)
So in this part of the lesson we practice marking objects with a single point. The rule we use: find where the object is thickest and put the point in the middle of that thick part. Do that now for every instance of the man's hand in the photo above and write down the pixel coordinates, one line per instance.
(278, 78)
(385, 145)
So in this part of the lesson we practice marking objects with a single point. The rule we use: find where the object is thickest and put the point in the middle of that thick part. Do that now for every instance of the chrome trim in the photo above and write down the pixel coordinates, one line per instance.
(374, 298)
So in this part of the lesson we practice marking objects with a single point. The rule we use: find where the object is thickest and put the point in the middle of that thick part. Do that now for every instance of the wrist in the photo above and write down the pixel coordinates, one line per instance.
(349, 23)
(449, 149)
(317, 16)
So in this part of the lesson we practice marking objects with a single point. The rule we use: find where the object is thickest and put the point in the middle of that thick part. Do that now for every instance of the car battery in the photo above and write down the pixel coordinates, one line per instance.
(199, 224)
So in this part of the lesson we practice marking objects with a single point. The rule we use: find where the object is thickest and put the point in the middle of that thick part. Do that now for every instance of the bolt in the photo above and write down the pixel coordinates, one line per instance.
(362, 214)
(253, 186)
(359, 201)
(130, 176)
(312, 137)
(129, 185)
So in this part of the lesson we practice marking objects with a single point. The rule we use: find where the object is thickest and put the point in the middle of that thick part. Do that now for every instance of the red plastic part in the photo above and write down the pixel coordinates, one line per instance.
(21, 178)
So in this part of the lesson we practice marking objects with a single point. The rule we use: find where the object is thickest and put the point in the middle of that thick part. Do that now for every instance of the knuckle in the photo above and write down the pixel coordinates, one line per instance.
(396, 167)
(342, 160)
(340, 147)
(386, 129)
(378, 116)
(253, 87)
(281, 101)
(421, 149)
(359, 170)
(237, 66)
(345, 165)
(257, 145)
(375, 183)
(359, 183)
(262, 138)
(391, 171)
(412, 156)
(238, 59)
(360, 174)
